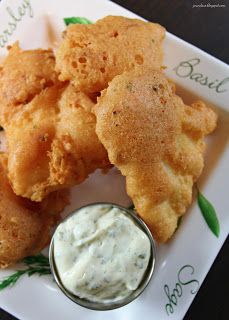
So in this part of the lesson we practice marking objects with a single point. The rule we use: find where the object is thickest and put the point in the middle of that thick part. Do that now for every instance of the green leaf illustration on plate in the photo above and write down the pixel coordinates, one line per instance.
(75, 20)
(208, 213)
(34, 265)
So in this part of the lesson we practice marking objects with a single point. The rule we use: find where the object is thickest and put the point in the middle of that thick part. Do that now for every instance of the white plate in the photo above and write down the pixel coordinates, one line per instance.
(187, 258)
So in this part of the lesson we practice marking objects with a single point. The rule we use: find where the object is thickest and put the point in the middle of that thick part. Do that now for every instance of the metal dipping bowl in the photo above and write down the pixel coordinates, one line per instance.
(122, 302)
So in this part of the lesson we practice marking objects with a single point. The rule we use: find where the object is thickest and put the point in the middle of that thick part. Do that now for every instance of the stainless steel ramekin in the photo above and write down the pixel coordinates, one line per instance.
(122, 302)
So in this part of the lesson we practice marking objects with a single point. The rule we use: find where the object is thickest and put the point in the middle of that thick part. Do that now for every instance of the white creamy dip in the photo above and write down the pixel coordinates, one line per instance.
(100, 253)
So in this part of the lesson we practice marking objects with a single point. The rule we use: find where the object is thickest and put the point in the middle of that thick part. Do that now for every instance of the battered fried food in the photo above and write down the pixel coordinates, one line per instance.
(24, 225)
(157, 143)
(24, 74)
(49, 127)
(52, 143)
(92, 55)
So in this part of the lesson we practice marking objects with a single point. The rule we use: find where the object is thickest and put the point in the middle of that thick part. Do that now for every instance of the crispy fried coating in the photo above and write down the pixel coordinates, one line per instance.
(24, 225)
(157, 143)
(92, 55)
(52, 143)
(50, 134)
(23, 75)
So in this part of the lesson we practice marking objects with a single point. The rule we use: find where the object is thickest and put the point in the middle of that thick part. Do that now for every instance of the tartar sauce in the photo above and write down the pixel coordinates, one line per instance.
(101, 254)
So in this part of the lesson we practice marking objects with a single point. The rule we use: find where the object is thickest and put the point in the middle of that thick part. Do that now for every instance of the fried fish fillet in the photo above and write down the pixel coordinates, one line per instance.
(92, 55)
(50, 134)
(52, 143)
(24, 225)
(157, 143)
(23, 75)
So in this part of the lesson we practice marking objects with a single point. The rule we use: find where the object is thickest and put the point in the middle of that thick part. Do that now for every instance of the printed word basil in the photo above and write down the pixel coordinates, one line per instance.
(187, 69)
